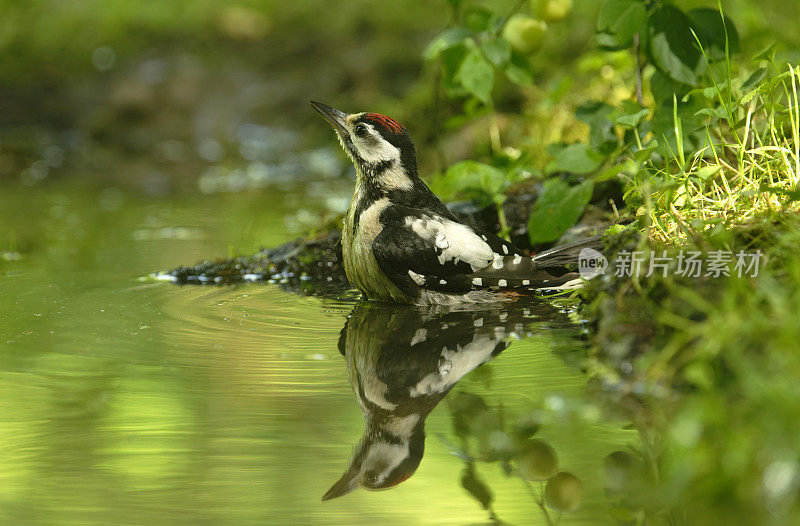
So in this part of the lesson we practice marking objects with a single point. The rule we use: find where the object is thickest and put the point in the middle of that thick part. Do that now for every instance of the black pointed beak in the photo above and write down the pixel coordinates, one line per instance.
(343, 486)
(335, 117)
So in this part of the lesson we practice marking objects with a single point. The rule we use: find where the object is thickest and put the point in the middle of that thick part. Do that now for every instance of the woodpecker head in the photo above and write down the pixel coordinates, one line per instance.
(382, 459)
(379, 146)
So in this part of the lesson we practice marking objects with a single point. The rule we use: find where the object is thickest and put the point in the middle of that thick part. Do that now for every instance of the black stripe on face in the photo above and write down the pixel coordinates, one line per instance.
(375, 170)
(389, 438)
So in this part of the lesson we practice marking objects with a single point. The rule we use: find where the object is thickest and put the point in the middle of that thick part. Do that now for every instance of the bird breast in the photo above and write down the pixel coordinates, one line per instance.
(360, 265)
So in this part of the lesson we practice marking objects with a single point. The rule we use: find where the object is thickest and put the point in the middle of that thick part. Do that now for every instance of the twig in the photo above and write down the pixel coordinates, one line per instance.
(636, 46)
(539, 499)
(437, 90)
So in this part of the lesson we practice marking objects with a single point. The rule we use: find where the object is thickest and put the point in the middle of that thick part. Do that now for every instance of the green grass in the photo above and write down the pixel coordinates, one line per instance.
(748, 167)
(706, 368)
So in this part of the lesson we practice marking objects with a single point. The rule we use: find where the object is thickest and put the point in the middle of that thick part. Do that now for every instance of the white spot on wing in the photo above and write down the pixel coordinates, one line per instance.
(498, 261)
(419, 279)
(477, 281)
(457, 242)
(526, 282)
(502, 283)
(420, 336)
(442, 282)
(517, 259)
(505, 249)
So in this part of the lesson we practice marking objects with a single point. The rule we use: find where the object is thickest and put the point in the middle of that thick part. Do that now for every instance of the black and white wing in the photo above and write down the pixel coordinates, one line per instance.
(422, 251)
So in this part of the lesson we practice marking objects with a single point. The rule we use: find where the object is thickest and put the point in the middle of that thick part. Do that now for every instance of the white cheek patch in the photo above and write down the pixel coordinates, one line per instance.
(376, 149)
(384, 456)
(373, 148)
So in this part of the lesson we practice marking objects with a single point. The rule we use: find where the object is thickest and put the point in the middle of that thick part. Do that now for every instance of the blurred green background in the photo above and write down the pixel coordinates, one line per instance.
(155, 95)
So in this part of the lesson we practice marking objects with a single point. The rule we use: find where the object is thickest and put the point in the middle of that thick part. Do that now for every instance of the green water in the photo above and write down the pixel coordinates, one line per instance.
(129, 401)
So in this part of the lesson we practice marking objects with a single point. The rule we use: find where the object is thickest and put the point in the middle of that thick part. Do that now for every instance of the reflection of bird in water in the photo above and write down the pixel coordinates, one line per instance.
(402, 361)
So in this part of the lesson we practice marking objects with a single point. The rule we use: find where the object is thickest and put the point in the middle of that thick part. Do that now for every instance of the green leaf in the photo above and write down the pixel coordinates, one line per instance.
(618, 22)
(445, 40)
(557, 208)
(644, 154)
(497, 50)
(452, 58)
(476, 487)
(477, 75)
(754, 79)
(707, 171)
(577, 159)
(766, 87)
(631, 120)
(470, 179)
(664, 88)
(709, 93)
(478, 19)
(609, 173)
(518, 70)
(599, 115)
(594, 112)
(671, 47)
(710, 29)
(768, 53)
(716, 113)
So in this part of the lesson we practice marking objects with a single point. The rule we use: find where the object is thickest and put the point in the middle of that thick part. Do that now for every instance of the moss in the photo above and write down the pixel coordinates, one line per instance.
(705, 370)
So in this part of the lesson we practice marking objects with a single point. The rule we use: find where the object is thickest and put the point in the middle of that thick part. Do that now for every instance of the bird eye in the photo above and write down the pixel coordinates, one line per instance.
(360, 130)
(371, 478)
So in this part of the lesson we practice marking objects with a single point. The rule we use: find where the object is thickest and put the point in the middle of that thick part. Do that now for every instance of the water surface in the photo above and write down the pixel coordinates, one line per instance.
(137, 402)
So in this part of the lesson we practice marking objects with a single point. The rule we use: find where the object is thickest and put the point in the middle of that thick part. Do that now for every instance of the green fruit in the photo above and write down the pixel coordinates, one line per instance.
(564, 492)
(537, 461)
(552, 10)
(525, 34)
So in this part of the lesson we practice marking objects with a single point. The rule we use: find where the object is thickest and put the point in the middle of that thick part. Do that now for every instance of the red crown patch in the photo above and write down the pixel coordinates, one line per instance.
(387, 122)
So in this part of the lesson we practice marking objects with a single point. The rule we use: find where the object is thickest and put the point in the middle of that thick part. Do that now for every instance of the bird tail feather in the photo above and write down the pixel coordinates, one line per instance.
(563, 255)
(552, 269)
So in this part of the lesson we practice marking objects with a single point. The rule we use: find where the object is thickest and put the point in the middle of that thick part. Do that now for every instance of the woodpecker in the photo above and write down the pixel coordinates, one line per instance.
(402, 361)
(401, 243)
